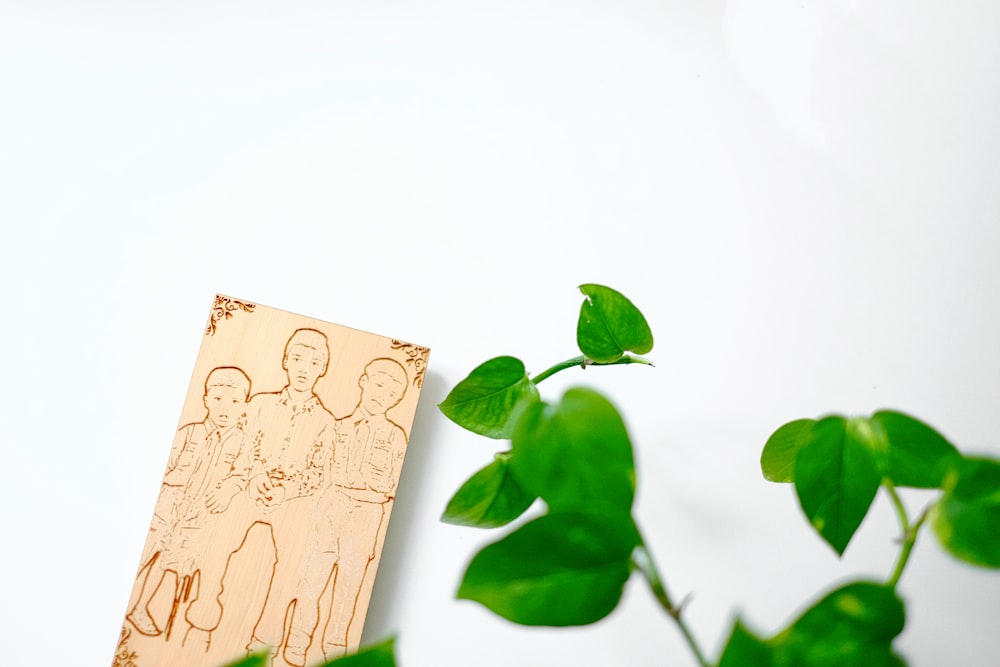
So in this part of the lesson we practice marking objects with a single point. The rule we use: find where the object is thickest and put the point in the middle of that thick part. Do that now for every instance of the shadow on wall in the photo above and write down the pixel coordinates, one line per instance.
(420, 454)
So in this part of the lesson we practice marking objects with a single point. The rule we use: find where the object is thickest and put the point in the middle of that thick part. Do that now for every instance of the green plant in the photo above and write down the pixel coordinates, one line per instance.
(568, 564)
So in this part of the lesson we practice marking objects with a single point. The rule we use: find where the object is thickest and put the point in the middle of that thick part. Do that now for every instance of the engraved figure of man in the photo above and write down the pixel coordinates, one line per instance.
(294, 434)
(210, 464)
(365, 471)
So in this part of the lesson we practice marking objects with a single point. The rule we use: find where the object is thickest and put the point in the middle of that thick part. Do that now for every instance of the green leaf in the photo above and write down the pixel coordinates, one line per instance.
(967, 518)
(744, 649)
(253, 660)
(486, 400)
(610, 325)
(376, 655)
(490, 498)
(870, 435)
(576, 455)
(919, 456)
(777, 461)
(558, 570)
(853, 625)
(837, 474)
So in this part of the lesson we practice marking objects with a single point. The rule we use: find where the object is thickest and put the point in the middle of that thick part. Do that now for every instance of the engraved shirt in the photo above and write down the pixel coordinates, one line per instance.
(367, 457)
(204, 458)
(291, 441)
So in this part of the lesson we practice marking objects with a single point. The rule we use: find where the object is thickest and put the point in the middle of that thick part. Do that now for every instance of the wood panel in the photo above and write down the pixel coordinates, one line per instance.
(277, 492)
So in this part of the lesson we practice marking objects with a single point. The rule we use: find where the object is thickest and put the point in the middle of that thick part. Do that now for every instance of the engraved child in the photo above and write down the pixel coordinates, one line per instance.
(210, 464)
(365, 471)
(292, 426)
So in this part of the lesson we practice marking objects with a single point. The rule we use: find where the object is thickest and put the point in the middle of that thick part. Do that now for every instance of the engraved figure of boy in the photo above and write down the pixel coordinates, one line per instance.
(210, 464)
(365, 470)
(293, 438)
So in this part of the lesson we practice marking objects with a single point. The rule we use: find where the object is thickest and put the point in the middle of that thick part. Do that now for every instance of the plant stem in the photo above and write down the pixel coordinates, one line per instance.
(909, 533)
(643, 562)
(583, 362)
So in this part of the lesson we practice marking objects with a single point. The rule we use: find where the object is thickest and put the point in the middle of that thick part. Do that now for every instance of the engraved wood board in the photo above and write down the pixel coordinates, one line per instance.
(273, 508)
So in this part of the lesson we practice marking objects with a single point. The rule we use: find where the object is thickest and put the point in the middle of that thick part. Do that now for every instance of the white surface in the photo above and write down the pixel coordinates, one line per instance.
(803, 197)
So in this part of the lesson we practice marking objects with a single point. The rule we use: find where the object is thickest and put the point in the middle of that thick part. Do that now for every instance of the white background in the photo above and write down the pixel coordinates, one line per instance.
(802, 196)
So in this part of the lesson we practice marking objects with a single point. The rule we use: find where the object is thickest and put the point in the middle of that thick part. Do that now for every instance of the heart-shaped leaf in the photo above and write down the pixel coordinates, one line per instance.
(853, 625)
(576, 454)
(610, 325)
(777, 461)
(486, 400)
(919, 456)
(558, 570)
(967, 518)
(490, 498)
(837, 474)
(744, 649)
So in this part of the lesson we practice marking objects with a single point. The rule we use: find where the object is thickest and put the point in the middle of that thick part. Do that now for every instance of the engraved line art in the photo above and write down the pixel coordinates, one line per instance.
(271, 510)
(210, 464)
(223, 308)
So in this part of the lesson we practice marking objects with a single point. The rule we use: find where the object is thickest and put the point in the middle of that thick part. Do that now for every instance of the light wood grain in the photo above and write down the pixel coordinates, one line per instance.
(276, 498)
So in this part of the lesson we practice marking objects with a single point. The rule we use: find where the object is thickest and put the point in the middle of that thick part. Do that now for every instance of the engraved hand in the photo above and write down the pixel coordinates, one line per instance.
(266, 494)
(217, 500)
(272, 499)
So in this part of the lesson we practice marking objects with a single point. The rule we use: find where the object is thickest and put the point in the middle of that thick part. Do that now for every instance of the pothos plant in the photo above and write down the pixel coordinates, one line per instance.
(567, 563)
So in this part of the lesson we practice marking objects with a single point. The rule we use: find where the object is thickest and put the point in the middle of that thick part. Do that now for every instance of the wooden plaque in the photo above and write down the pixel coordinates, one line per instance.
(273, 508)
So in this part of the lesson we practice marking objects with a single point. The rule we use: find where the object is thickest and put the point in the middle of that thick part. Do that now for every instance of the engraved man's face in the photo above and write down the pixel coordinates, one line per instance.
(380, 391)
(304, 365)
(225, 405)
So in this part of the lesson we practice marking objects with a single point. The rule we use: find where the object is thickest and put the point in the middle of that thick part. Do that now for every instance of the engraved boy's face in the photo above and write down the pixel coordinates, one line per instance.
(304, 365)
(380, 391)
(225, 405)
